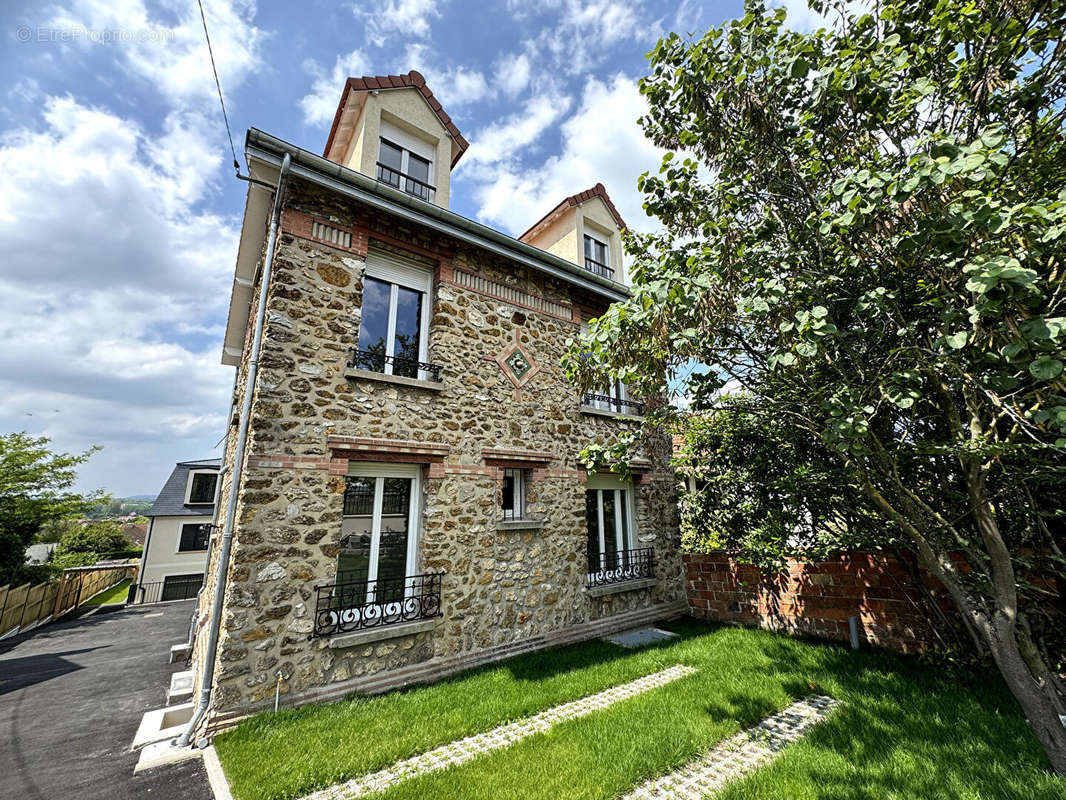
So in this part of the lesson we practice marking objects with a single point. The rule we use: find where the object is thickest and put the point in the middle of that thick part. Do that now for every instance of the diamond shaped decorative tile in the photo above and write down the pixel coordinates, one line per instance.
(518, 364)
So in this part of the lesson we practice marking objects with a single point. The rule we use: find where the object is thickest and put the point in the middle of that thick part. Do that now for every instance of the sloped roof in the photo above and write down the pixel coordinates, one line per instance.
(171, 499)
(412, 80)
(575, 200)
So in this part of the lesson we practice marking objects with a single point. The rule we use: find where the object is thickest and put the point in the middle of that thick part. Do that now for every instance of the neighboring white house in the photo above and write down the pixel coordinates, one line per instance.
(175, 549)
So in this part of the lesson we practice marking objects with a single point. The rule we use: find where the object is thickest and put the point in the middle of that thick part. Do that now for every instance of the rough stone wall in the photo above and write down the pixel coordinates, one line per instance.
(499, 586)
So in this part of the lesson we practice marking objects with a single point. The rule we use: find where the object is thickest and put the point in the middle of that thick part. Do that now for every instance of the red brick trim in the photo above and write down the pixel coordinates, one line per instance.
(435, 255)
(504, 456)
(451, 281)
(301, 225)
(355, 448)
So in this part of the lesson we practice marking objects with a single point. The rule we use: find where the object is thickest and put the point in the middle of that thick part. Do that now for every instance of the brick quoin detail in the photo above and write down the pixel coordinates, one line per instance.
(817, 598)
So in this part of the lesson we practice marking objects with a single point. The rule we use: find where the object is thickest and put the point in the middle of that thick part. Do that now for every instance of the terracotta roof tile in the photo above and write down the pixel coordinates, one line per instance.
(412, 80)
(577, 199)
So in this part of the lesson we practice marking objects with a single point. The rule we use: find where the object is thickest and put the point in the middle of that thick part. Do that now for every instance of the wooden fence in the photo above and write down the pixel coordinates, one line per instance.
(27, 606)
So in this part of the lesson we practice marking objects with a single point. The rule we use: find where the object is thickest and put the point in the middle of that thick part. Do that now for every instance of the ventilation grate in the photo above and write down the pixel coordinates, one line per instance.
(327, 233)
(509, 294)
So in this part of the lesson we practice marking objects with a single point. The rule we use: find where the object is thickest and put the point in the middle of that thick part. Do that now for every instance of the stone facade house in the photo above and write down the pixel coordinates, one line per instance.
(412, 500)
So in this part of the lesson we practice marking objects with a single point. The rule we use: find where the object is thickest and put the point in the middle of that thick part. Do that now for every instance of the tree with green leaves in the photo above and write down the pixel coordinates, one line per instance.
(863, 234)
(84, 545)
(35, 488)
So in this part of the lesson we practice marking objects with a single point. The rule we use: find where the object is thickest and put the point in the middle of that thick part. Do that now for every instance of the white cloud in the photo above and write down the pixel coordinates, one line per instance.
(172, 57)
(320, 104)
(501, 141)
(512, 73)
(601, 142)
(583, 31)
(409, 18)
(801, 17)
(454, 87)
(110, 277)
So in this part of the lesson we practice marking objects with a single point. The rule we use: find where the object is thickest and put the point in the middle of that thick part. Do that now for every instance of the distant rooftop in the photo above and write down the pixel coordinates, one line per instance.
(171, 499)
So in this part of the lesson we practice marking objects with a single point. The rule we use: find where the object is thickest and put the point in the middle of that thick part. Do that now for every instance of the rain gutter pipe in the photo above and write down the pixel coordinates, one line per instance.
(238, 469)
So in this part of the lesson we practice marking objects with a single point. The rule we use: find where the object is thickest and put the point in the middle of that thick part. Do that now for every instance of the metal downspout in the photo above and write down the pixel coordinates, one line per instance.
(238, 469)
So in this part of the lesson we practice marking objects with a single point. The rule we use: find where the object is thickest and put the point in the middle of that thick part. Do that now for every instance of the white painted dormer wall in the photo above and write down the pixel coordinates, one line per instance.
(402, 117)
(563, 232)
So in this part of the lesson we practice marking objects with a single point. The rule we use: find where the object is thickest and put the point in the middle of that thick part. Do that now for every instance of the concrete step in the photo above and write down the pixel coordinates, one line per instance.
(180, 690)
(641, 637)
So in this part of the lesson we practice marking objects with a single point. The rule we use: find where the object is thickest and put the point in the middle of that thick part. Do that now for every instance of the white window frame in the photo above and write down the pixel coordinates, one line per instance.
(181, 528)
(397, 272)
(380, 471)
(188, 487)
(624, 540)
(408, 145)
(518, 496)
(606, 248)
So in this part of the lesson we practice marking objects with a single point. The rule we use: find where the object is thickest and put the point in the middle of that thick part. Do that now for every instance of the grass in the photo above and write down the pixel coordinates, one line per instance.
(907, 729)
(116, 594)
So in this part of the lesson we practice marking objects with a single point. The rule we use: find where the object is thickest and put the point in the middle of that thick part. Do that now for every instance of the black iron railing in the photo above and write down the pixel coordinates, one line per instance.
(180, 588)
(592, 265)
(358, 605)
(615, 404)
(404, 367)
(405, 183)
(624, 565)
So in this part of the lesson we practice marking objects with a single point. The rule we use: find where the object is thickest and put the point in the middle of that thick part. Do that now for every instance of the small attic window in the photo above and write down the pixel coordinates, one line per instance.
(405, 170)
(597, 257)
(201, 487)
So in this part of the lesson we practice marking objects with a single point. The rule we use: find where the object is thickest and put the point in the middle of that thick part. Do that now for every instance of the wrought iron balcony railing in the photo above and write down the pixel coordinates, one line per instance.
(624, 565)
(348, 606)
(613, 403)
(592, 265)
(404, 367)
(405, 183)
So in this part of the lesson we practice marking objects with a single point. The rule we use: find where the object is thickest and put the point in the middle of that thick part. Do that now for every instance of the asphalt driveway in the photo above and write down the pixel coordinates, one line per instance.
(71, 697)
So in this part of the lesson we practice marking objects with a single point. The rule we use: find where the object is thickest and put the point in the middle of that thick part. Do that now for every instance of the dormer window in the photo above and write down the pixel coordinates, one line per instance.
(597, 257)
(201, 488)
(405, 170)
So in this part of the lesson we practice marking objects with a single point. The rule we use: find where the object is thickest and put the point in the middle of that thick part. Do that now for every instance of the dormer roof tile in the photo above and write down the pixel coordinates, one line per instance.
(575, 200)
(412, 80)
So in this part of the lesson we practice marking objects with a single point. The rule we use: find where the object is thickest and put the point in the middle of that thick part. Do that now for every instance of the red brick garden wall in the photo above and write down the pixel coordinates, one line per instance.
(817, 598)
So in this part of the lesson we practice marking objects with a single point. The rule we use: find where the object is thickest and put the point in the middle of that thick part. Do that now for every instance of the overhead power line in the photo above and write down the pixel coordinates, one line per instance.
(218, 85)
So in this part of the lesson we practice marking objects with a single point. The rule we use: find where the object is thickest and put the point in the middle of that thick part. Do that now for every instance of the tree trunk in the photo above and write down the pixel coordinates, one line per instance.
(1032, 695)
(1035, 703)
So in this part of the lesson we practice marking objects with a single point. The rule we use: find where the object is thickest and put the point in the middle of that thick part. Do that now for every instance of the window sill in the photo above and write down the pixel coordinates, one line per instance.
(597, 412)
(621, 586)
(356, 638)
(399, 380)
(519, 524)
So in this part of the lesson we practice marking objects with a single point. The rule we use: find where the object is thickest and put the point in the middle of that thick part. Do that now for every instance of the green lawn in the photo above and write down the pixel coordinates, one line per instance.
(906, 730)
(116, 594)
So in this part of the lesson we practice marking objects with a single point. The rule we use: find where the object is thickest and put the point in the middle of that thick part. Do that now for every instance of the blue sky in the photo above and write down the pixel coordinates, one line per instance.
(119, 212)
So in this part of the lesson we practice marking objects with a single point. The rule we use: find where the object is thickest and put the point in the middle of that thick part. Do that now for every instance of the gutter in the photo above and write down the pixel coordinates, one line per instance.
(322, 171)
(211, 653)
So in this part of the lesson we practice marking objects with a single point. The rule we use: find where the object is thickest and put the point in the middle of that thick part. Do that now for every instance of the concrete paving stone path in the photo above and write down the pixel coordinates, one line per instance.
(463, 750)
(737, 755)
